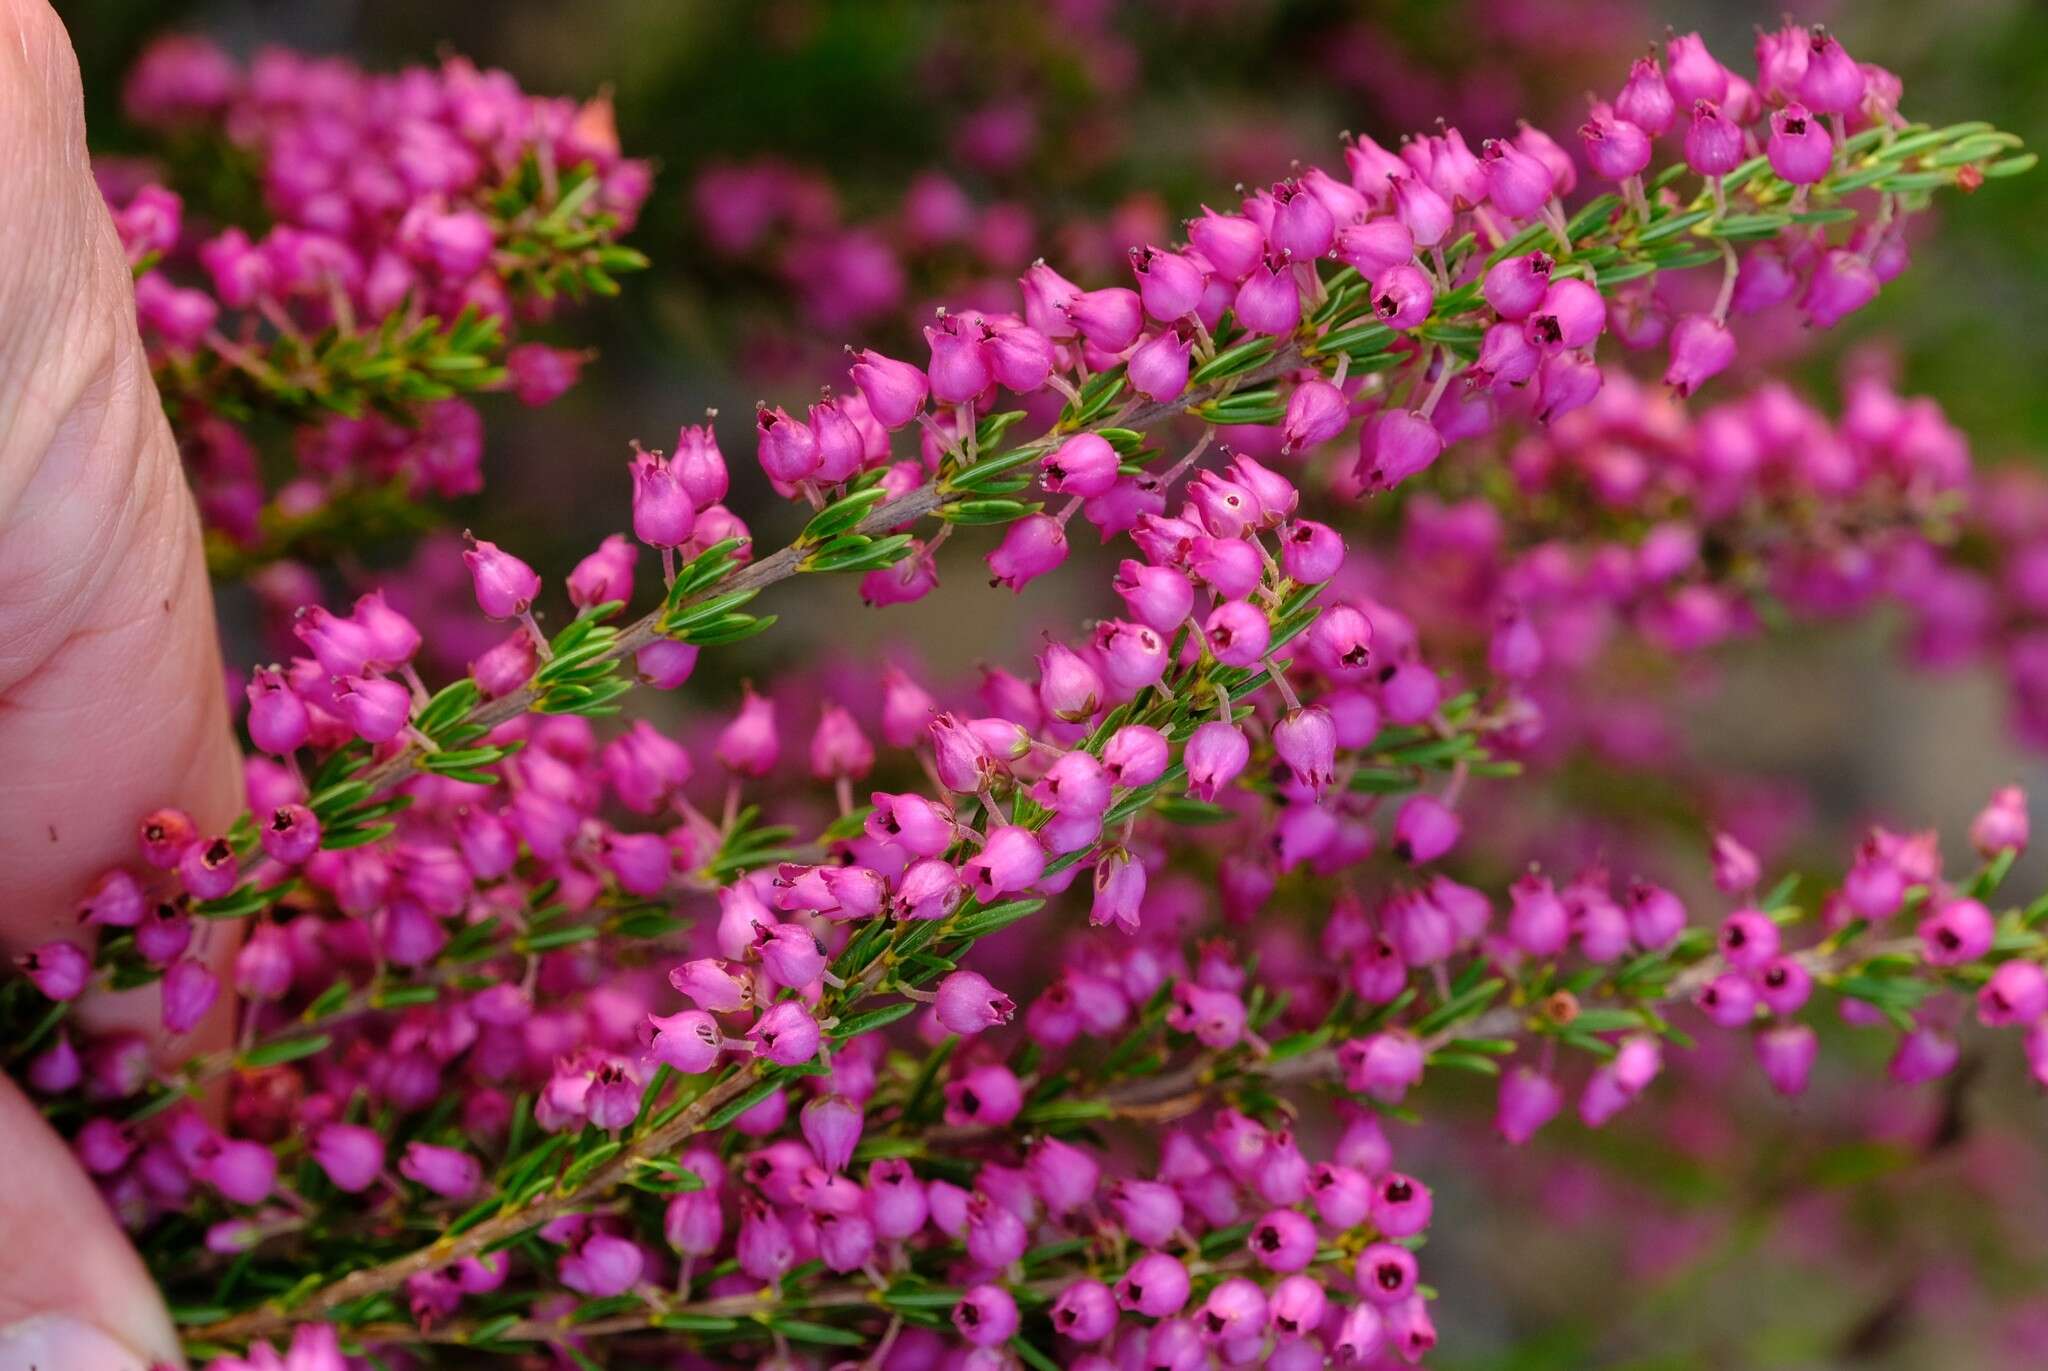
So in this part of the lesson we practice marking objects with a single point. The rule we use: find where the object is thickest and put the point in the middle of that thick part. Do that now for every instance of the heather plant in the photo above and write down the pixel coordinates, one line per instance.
(1082, 1016)
(320, 359)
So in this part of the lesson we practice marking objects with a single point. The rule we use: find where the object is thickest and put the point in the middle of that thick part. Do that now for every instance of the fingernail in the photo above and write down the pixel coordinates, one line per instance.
(55, 1342)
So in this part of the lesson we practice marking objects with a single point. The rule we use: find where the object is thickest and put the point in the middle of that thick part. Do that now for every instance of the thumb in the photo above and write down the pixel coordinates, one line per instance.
(73, 1294)
(111, 698)
(112, 701)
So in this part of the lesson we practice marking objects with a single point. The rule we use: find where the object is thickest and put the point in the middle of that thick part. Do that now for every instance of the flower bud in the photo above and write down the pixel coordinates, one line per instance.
(1306, 739)
(1408, 1328)
(1425, 829)
(964, 764)
(1394, 445)
(839, 748)
(968, 1004)
(1283, 1241)
(1233, 244)
(115, 901)
(605, 576)
(1694, 74)
(786, 447)
(1238, 633)
(341, 646)
(189, 991)
(1159, 597)
(896, 1199)
(1729, 1000)
(1426, 213)
(832, 1126)
(1135, 755)
(1268, 301)
(1303, 226)
(1832, 82)
(711, 985)
(1156, 1285)
(506, 667)
(1158, 367)
(375, 708)
(278, 723)
(1119, 884)
(1169, 285)
(1296, 1310)
(1046, 296)
(1383, 1065)
(2001, 826)
(1110, 318)
(792, 954)
(1646, 99)
(1701, 348)
(663, 514)
(1216, 752)
(988, 1095)
(1375, 246)
(1749, 938)
(1959, 931)
(1537, 922)
(1031, 547)
(1516, 286)
(1075, 786)
(60, 970)
(1713, 142)
(1799, 149)
(1923, 1055)
(1616, 148)
(751, 744)
(786, 1034)
(505, 586)
(1310, 552)
(540, 374)
(1084, 465)
(689, 1041)
(1655, 916)
(1529, 1099)
(1786, 1052)
(1516, 183)
(392, 638)
(1085, 1311)
(841, 448)
(2016, 995)
(451, 1174)
(1402, 296)
(895, 391)
(1132, 655)
(1010, 860)
(1842, 284)
(986, 1316)
(665, 664)
(291, 835)
(1572, 315)
(1567, 381)
(1386, 1273)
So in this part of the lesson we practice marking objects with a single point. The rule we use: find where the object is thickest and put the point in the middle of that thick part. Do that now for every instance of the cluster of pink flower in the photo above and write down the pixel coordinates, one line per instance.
(1986, 598)
(953, 241)
(1688, 517)
(458, 907)
(441, 194)
(938, 241)
(1699, 514)
(1390, 224)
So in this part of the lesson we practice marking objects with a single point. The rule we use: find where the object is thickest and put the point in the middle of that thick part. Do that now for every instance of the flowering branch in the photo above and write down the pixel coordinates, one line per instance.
(454, 907)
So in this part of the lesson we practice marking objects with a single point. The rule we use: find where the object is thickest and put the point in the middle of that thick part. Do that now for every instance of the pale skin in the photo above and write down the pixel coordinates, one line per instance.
(111, 693)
